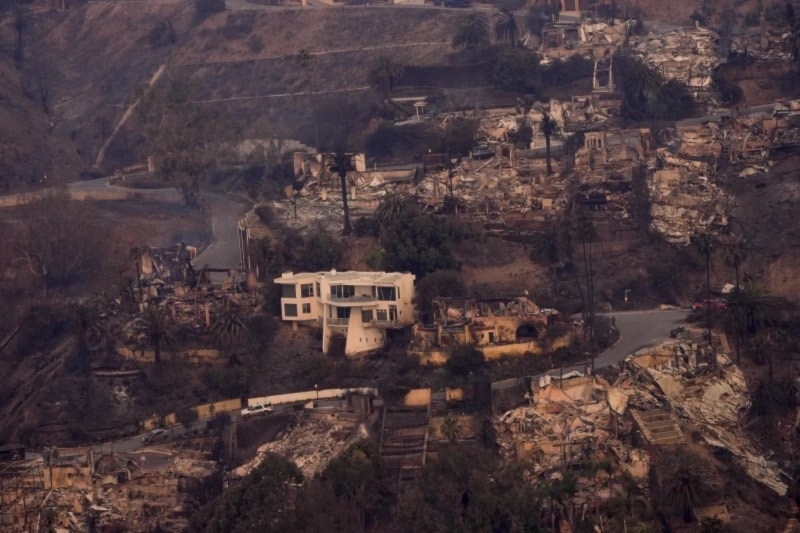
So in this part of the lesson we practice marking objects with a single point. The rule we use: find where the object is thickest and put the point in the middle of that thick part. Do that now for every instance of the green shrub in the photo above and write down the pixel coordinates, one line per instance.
(443, 283)
(775, 398)
(730, 93)
(365, 226)
(321, 252)
(465, 360)
(374, 259)
(516, 70)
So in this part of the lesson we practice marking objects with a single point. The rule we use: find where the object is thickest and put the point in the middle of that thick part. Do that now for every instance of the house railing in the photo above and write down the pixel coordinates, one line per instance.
(385, 323)
(362, 298)
(338, 321)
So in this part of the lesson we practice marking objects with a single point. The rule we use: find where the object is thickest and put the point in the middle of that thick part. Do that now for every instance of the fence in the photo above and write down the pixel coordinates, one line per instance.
(208, 410)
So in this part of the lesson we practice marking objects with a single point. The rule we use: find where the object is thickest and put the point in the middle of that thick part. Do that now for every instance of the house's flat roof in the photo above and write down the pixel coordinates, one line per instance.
(352, 276)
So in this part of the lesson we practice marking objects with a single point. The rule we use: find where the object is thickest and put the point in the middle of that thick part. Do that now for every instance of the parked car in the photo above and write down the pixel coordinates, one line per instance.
(715, 304)
(154, 435)
(257, 409)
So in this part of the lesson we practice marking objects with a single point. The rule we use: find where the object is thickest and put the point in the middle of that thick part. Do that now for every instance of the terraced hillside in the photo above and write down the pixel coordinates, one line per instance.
(99, 57)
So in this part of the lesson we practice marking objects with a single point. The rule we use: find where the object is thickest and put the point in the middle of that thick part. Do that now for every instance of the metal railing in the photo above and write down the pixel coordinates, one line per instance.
(385, 323)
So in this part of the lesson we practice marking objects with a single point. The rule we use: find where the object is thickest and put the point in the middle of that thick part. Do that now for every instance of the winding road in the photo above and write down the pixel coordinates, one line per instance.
(637, 330)
(224, 210)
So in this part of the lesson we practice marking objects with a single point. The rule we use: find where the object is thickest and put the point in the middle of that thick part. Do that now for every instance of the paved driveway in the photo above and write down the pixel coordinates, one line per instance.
(638, 329)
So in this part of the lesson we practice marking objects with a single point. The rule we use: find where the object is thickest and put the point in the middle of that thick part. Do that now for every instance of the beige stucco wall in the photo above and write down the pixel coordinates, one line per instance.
(210, 409)
(62, 476)
(206, 355)
(417, 398)
(501, 350)
(360, 337)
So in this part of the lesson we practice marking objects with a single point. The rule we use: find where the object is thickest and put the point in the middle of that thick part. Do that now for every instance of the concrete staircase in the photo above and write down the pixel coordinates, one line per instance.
(659, 427)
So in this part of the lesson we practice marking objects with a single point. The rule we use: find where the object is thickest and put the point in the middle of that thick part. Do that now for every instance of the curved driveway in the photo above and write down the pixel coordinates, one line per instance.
(637, 330)
(225, 212)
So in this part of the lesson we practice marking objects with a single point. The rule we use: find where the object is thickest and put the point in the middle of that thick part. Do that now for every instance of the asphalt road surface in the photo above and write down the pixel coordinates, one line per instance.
(638, 329)
(223, 252)
(225, 211)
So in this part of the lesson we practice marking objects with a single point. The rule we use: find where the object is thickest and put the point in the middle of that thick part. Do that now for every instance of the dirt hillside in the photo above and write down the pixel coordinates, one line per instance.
(97, 58)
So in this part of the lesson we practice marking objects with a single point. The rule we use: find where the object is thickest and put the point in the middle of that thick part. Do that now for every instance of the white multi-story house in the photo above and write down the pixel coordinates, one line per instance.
(355, 308)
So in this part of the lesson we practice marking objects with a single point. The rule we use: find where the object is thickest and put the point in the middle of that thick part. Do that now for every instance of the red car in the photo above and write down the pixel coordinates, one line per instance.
(715, 304)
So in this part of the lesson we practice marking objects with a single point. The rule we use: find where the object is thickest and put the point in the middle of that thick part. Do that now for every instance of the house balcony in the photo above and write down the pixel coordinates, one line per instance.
(353, 301)
(334, 322)
(386, 324)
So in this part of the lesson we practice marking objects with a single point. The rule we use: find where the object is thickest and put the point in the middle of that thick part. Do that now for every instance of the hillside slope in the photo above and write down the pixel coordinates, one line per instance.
(99, 56)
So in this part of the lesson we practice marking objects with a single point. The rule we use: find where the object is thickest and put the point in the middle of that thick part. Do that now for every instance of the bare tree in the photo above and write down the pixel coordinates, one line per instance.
(59, 245)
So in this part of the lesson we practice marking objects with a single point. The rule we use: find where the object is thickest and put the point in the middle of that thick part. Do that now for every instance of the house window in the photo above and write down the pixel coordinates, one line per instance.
(288, 291)
(392, 312)
(343, 291)
(366, 316)
(382, 315)
(306, 290)
(289, 309)
(318, 290)
(387, 294)
(306, 309)
(342, 312)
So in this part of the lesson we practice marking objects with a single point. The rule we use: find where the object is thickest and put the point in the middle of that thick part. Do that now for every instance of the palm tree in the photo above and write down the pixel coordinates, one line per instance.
(341, 164)
(636, 78)
(506, 28)
(684, 480)
(548, 127)
(450, 429)
(748, 310)
(157, 327)
(392, 207)
(472, 33)
(384, 74)
(231, 329)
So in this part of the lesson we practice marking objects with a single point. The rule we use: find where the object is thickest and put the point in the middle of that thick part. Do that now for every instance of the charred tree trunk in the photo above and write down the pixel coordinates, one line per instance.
(347, 228)
(547, 153)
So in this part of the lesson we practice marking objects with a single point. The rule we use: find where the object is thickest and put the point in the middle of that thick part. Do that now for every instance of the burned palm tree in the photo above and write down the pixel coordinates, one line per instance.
(341, 164)
(548, 127)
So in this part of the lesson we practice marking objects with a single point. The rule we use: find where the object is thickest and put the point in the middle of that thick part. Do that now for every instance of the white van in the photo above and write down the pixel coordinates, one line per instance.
(257, 409)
